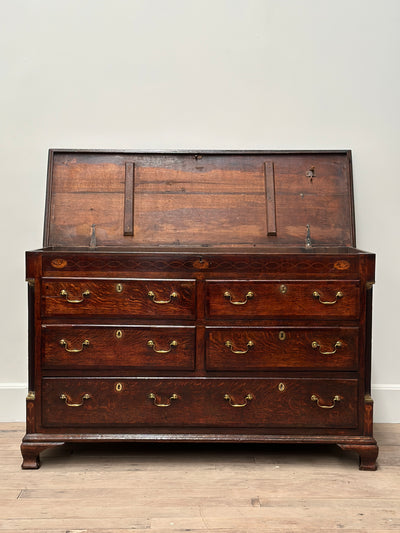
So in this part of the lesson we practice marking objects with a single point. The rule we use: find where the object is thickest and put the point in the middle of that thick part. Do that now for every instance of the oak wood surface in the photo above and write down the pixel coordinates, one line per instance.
(199, 198)
(121, 488)
(114, 347)
(141, 244)
(200, 402)
(286, 299)
(285, 347)
(134, 299)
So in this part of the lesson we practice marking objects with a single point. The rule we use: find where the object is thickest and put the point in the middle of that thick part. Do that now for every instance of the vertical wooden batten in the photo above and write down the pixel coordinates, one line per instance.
(270, 197)
(128, 198)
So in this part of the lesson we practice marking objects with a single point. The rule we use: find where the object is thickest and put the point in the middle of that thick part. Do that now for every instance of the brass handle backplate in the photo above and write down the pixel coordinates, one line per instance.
(231, 400)
(338, 295)
(315, 345)
(69, 402)
(156, 399)
(229, 345)
(64, 293)
(152, 297)
(64, 343)
(172, 344)
(315, 398)
(248, 296)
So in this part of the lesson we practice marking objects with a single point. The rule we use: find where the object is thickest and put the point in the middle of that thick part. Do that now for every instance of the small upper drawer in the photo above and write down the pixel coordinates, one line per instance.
(138, 298)
(283, 299)
(140, 347)
(247, 348)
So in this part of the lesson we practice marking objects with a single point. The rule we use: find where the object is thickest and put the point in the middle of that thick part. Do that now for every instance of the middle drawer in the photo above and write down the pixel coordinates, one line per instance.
(157, 347)
(260, 348)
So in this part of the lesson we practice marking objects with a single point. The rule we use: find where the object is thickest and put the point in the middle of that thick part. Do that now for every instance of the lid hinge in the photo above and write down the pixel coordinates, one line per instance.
(308, 237)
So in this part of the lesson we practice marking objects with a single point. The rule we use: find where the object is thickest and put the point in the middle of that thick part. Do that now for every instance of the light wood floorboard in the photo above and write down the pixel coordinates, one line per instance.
(165, 488)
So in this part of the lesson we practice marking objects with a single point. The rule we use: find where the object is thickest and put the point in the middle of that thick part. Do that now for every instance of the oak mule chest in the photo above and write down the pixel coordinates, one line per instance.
(200, 297)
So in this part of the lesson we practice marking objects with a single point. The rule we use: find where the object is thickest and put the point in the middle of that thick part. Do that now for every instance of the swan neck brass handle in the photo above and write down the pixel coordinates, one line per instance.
(229, 345)
(172, 344)
(338, 295)
(315, 398)
(64, 343)
(315, 345)
(231, 400)
(156, 399)
(64, 293)
(69, 402)
(152, 297)
(248, 296)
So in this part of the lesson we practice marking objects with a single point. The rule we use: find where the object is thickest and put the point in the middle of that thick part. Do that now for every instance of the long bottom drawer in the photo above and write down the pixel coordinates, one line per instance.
(258, 402)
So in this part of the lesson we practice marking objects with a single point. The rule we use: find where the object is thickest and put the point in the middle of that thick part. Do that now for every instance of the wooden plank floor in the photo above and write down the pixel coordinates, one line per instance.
(154, 488)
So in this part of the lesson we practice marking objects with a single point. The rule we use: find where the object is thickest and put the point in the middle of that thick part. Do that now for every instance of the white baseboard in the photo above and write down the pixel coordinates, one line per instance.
(386, 402)
(12, 402)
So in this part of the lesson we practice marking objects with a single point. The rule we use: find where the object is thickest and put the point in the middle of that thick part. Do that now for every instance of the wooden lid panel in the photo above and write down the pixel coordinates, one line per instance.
(199, 199)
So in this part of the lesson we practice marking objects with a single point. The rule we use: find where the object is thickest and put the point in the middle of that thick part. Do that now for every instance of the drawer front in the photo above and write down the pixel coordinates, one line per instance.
(95, 347)
(271, 402)
(241, 349)
(139, 298)
(276, 299)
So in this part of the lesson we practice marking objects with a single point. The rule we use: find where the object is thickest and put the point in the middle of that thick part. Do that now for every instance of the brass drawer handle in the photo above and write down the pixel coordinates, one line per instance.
(152, 297)
(248, 296)
(315, 345)
(339, 294)
(64, 293)
(64, 343)
(68, 400)
(172, 344)
(249, 345)
(315, 398)
(157, 403)
(230, 399)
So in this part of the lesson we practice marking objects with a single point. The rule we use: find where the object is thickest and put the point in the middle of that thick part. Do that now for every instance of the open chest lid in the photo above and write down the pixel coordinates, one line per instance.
(199, 199)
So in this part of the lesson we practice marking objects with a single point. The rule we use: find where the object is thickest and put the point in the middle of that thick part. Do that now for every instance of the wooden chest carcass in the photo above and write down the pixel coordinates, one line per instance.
(200, 296)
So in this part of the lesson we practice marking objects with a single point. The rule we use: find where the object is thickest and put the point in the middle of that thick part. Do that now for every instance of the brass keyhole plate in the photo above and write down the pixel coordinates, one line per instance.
(282, 335)
(118, 334)
(119, 287)
(118, 387)
(281, 387)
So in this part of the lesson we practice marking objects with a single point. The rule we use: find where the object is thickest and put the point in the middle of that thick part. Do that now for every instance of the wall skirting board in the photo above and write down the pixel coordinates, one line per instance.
(386, 398)
(386, 402)
(12, 401)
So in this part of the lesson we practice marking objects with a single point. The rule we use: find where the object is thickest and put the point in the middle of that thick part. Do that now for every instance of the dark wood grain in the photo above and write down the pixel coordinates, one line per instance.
(291, 262)
(201, 402)
(129, 198)
(270, 197)
(152, 346)
(297, 301)
(115, 347)
(213, 199)
(281, 348)
(105, 300)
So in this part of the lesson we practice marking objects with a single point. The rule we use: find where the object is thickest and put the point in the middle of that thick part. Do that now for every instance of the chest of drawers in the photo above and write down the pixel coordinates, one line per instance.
(212, 296)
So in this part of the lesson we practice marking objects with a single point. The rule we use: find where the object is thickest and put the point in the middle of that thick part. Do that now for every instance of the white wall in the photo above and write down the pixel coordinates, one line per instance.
(232, 74)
